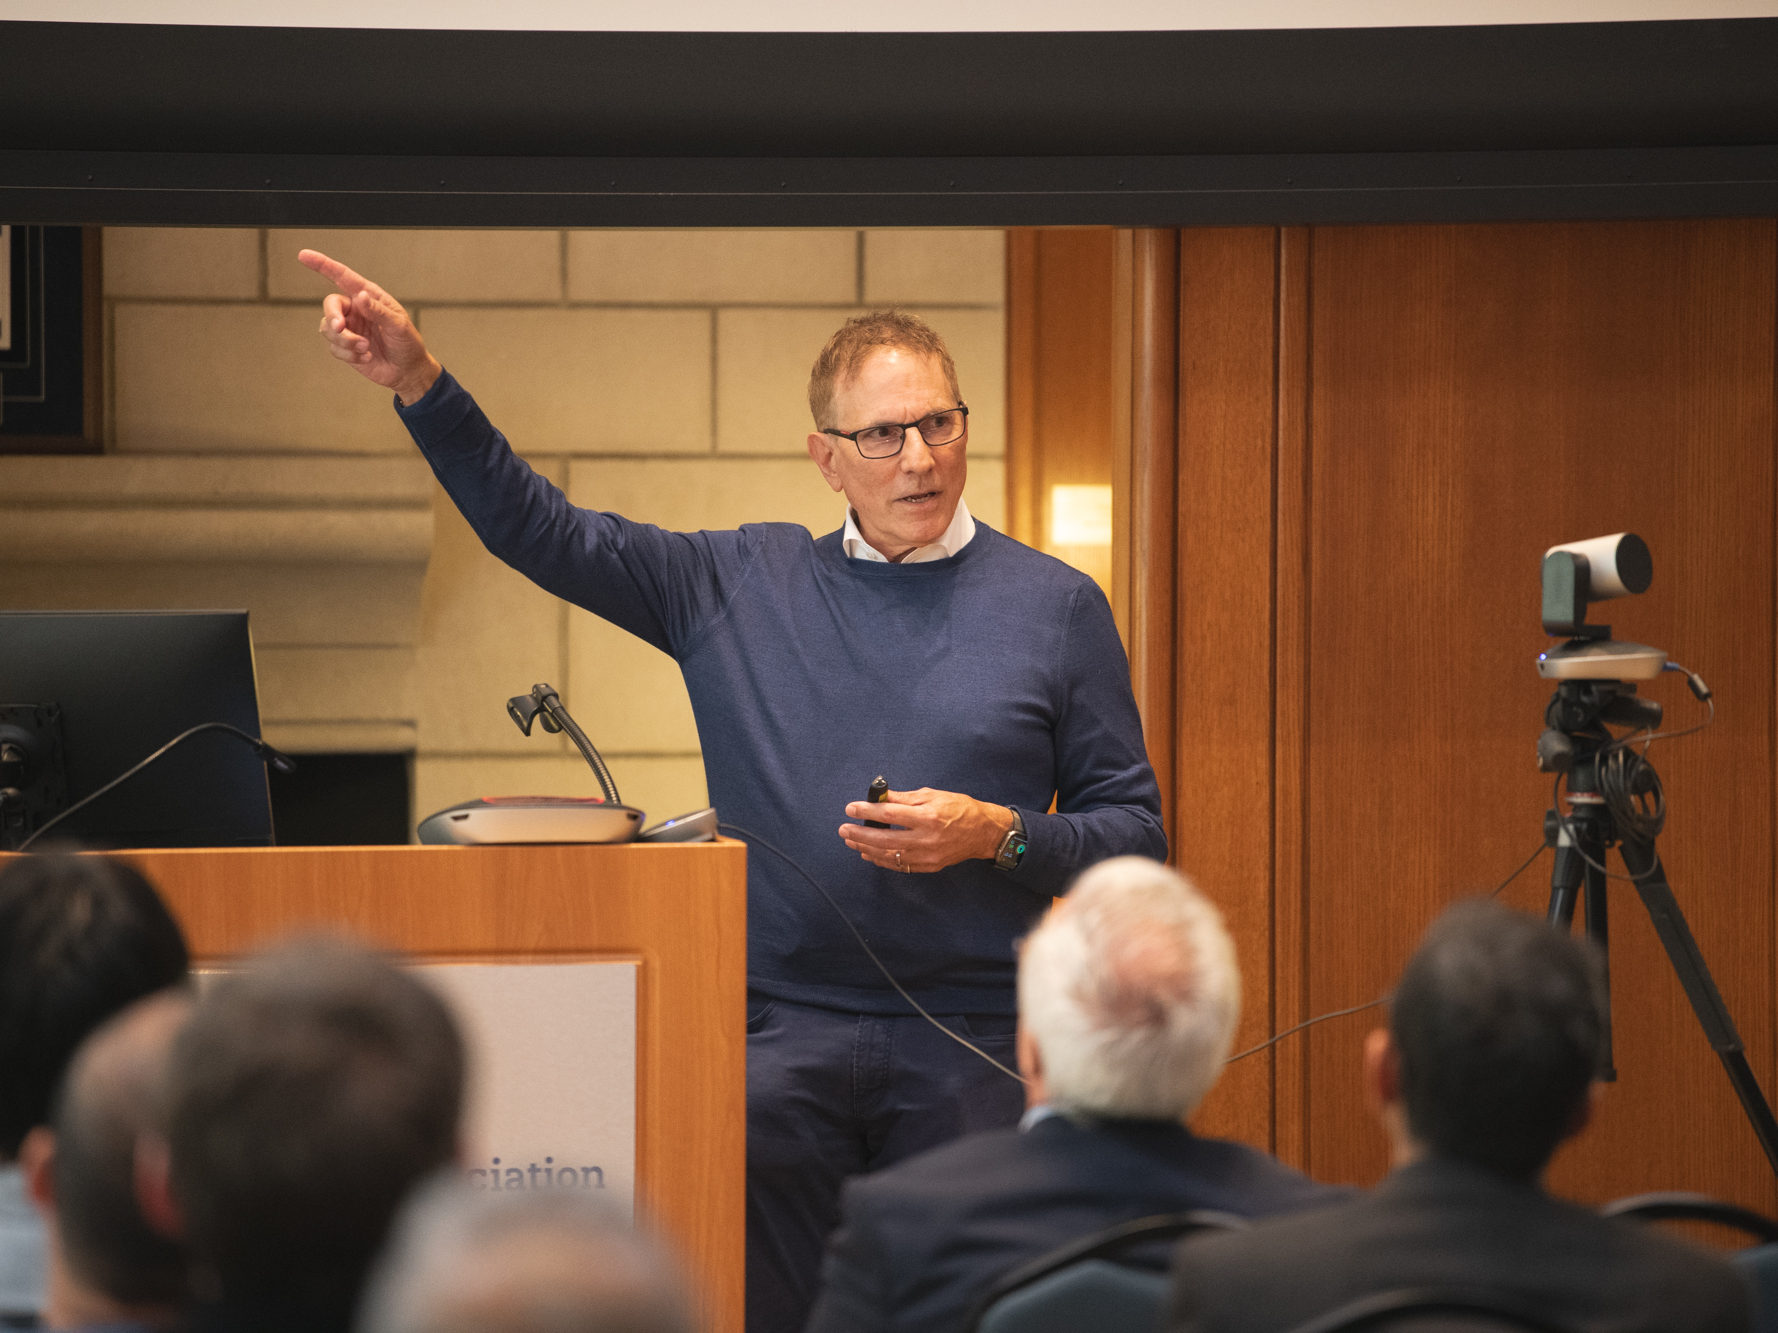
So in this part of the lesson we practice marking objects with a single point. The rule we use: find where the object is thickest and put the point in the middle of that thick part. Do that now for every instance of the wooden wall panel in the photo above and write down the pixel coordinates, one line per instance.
(1066, 410)
(1061, 358)
(1223, 731)
(1350, 644)
(1153, 536)
(1290, 703)
(1478, 394)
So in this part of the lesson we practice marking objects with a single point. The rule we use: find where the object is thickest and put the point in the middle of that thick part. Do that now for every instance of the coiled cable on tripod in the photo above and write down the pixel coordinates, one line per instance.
(1632, 792)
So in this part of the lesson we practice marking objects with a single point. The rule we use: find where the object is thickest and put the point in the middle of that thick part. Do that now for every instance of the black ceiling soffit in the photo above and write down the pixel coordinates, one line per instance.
(145, 123)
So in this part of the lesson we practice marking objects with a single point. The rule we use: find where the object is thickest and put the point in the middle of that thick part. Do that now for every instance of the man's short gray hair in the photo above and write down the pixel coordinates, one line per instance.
(1130, 990)
(531, 1261)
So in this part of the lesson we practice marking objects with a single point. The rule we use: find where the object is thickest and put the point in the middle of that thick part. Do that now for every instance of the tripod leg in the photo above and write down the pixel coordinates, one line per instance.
(1700, 988)
(1599, 931)
(1565, 876)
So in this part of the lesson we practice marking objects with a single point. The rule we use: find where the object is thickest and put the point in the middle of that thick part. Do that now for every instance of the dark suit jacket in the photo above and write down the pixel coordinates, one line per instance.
(920, 1241)
(1446, 1223)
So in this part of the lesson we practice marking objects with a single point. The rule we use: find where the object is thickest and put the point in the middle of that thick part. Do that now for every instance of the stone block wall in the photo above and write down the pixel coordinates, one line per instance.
(660, 374)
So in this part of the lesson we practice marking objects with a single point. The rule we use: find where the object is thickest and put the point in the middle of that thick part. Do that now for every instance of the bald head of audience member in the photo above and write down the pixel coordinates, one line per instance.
(307, 1096)
(1128, 995)
(107, 1264)
(468, 1261)
(1494, 1040)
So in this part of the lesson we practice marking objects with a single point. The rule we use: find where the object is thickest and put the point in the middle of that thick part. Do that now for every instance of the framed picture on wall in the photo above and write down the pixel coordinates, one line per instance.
(51, 344)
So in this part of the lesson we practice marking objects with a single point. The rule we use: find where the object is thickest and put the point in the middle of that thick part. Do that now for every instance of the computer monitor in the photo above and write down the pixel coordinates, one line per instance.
(118, 685)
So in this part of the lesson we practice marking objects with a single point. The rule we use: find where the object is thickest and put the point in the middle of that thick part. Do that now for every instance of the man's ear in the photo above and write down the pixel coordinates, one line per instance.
(37, 1164)
(821, 450)
(1382, 1071)
(154, 1187)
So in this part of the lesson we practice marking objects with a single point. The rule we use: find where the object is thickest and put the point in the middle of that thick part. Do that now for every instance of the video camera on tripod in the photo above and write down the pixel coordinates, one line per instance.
(1614, 794)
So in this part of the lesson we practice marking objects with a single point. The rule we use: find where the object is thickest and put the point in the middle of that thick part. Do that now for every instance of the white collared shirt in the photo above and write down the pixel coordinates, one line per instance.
(952, 540)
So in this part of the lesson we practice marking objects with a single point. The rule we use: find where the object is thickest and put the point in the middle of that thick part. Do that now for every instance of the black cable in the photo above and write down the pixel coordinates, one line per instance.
(1381, 999)
(1307, 1023)
(870, 952)
(900, 990)
(1523, 867)
(276, 758)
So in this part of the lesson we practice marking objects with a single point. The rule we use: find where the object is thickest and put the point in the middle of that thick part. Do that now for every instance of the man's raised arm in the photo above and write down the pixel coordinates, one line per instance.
(367, 329)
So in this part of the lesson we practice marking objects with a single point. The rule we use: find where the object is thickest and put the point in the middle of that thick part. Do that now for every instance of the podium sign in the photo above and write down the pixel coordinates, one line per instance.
(552, 1073)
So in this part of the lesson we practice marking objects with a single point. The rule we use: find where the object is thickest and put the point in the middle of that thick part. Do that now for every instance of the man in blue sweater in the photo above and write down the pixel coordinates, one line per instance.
(983, 678)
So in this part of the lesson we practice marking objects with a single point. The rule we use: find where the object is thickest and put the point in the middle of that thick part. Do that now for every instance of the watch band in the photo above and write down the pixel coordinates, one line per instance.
(1012, 845)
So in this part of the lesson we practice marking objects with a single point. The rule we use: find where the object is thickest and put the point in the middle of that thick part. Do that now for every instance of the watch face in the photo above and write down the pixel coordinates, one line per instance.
(1012, 849)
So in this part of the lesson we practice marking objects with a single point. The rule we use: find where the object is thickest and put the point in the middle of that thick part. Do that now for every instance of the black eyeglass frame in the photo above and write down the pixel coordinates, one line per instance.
(905, 427)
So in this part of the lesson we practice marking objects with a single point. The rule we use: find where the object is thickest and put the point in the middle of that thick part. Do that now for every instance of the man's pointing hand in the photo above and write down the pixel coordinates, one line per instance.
(367, 329)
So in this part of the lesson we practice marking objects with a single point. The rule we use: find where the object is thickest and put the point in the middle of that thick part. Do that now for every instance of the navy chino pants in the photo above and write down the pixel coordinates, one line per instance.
(831, 1095)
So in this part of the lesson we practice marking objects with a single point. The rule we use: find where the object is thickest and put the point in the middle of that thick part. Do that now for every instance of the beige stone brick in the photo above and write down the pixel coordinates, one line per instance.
(762, 374)
(987, 491)
(118, 534)
(486, 633)
(220, 378)
(202, 263)
(149, 478)
(937, 267)
(584, 381)
(624, 693)
(340, 737)
(420, 266)
(663, 786)
(715, 266)
(287, 605)
(335, 684)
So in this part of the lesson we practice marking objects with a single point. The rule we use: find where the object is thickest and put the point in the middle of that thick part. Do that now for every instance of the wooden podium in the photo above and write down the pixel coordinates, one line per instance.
(678, 911)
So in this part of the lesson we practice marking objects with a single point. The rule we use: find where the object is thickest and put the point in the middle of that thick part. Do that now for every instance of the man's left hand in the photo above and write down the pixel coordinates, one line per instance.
(934, 829)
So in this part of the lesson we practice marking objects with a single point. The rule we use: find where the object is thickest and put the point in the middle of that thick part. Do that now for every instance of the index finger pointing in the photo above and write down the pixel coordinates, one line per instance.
(334, 271)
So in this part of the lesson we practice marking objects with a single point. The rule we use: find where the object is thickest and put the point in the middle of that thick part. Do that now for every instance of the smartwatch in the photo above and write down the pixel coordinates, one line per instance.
(1012, 846)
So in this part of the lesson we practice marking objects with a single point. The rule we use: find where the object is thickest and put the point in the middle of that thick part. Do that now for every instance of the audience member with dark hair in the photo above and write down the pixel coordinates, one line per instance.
(1495, 1031)
(81, 937)
(306, 1097)
(468, 1261)
(108, 1267)
(1128, 995)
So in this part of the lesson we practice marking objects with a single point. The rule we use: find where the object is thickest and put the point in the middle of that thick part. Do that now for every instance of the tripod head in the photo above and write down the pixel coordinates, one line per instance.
(1574, 722)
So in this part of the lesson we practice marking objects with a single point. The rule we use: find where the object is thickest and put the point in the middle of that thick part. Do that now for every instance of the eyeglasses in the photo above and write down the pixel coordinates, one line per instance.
(885, 441)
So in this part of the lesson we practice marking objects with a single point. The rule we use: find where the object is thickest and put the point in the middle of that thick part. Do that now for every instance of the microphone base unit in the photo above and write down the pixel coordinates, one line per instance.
(698, 826)
(504, 820)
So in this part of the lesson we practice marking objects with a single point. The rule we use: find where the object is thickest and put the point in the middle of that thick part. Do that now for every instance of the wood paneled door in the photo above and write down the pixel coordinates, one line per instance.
(1347, 451)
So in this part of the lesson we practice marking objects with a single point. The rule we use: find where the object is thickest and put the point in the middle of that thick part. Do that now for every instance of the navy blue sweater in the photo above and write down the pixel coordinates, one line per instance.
(997, 673)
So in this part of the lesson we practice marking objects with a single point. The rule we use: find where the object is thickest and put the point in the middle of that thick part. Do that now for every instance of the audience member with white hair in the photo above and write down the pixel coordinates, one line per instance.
(1128, 996)
(468, 1261)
